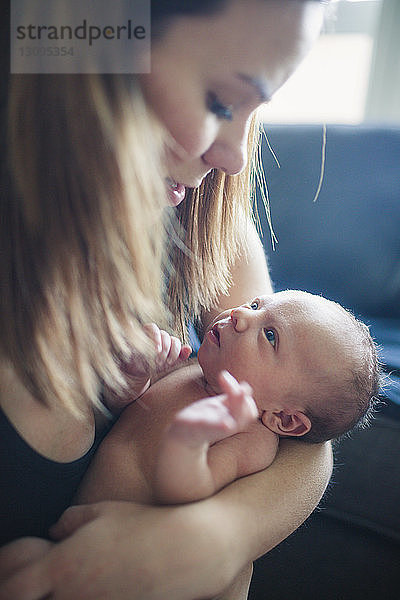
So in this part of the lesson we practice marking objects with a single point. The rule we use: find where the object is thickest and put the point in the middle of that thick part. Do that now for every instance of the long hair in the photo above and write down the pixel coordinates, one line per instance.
(81, 232)
(211, 223)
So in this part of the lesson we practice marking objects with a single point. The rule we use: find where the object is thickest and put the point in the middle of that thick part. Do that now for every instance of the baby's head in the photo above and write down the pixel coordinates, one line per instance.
(313, 366)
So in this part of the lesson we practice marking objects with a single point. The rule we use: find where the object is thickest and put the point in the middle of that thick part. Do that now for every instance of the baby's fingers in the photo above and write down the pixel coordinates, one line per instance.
(239, 397)
(166, 343)
(154, 333)
(173, 350)
(185, 352)
(230, 385)
(169, 349)
(178, 351)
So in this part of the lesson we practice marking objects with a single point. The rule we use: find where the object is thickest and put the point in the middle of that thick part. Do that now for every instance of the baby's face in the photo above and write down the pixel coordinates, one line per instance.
(277, 343)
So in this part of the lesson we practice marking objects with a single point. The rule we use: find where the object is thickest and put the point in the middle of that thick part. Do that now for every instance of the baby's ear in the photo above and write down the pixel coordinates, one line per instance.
(286, 422)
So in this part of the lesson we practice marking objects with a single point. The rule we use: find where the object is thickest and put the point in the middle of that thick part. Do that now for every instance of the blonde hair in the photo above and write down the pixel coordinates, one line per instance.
(83, 235)
(211, 222)
(81, 232)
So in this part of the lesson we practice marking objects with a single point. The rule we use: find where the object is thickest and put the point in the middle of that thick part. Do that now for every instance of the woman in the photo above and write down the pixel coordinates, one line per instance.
(83, 243)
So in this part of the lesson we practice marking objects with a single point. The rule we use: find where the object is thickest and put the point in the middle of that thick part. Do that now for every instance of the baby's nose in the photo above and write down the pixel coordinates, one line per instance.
(239, 319)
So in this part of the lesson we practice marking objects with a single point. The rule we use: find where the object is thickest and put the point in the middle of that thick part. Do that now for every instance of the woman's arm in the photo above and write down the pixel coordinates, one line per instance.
(268, 506)
(283, 496)
(239, 589)
(121, 550)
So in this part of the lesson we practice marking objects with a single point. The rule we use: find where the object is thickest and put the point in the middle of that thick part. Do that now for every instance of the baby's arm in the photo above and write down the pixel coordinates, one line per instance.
(210, 443)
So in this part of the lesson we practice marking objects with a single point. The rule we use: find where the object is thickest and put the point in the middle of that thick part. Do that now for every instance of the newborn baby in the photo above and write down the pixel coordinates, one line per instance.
(310, 366)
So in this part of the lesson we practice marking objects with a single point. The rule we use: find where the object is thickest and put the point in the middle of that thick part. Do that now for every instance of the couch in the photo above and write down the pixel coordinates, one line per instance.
(346, 246)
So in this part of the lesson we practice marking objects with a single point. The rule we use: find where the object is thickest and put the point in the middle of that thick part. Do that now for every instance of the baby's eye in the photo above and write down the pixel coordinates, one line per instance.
(271, 336)
(220, 110)
(254, 305)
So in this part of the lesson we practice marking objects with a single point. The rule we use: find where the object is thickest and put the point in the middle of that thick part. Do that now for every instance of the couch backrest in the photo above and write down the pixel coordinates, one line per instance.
(346, 245)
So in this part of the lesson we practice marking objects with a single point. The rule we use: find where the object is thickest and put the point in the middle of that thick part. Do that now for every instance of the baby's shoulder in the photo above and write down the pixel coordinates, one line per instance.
(185, 380)
(163, 399)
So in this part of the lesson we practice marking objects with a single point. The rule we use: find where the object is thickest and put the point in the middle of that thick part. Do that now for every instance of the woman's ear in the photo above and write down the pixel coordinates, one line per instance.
(286, 422)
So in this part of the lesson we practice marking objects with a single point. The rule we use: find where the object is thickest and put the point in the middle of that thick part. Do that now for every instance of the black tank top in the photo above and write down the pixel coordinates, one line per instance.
(34, 490)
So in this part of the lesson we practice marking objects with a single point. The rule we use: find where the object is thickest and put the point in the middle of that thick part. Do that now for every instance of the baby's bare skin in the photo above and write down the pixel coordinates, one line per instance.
(125, 465)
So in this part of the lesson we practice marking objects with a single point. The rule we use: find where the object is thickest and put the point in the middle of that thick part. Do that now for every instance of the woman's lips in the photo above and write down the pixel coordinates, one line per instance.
(176, 192)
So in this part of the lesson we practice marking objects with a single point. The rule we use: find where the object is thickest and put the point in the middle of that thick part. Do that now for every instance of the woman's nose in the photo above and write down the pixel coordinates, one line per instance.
(229, 151)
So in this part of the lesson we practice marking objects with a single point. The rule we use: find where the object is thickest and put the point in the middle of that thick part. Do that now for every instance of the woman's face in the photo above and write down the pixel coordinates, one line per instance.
(210, 73)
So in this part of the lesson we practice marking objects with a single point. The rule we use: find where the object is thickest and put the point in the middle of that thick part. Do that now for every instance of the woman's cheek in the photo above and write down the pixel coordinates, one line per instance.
(195, 136)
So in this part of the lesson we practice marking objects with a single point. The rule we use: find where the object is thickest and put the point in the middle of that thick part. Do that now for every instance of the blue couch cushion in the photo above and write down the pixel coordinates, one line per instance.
(346, 245)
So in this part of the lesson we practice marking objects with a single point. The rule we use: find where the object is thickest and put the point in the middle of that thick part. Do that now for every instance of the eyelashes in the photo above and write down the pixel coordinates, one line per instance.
(220, 110)
(270, 334)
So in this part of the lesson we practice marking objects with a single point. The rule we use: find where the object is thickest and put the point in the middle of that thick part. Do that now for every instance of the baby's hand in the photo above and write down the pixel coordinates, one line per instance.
(196, 458)
(170, 352)
(213, 419)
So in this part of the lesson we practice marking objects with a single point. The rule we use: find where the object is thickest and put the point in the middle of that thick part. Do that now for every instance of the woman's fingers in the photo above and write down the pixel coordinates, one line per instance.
(21, 553)
(31, 582)
(72, 519)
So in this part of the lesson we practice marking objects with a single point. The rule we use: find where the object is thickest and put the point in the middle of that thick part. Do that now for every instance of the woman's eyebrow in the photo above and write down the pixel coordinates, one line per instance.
(259, 86)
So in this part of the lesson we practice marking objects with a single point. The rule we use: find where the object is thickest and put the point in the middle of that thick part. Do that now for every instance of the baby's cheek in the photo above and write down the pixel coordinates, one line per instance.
(234, 364)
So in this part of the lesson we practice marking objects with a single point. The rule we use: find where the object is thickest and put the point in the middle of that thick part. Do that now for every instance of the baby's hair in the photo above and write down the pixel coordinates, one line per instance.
(339, 406)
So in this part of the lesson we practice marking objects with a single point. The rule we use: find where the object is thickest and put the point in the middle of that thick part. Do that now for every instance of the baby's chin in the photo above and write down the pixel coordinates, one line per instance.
(210, 377)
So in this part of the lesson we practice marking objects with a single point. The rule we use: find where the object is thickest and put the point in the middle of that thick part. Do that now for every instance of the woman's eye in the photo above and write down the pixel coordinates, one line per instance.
(271, 336)
(254, 305)
(221, 111)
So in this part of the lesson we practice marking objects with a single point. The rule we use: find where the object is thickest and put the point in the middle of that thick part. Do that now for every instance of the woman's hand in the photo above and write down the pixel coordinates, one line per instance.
(169, 353)
(126, 551)
(121, 550)
(20, 553)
